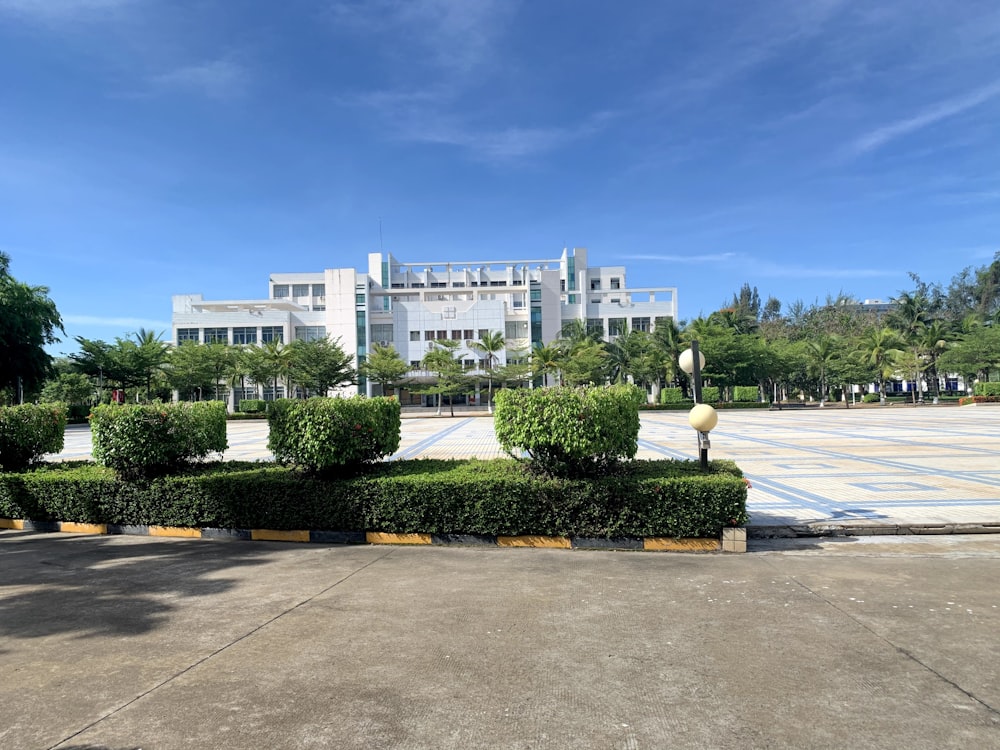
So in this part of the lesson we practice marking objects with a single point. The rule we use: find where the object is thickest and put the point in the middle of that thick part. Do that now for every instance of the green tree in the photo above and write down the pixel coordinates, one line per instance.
(69, 388)
(321, 364)
(489, 344)
(385, 367)
(28, 322)
(880, 346)
(584, 363)
(546, 361)
(450, 379)
(189, 371)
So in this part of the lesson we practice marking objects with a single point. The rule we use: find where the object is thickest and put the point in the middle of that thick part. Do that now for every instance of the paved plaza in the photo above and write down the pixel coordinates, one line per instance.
(119, 643)
(876, 467)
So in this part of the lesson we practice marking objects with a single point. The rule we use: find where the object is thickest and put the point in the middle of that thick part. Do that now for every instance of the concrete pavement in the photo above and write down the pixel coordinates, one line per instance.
(133, 642)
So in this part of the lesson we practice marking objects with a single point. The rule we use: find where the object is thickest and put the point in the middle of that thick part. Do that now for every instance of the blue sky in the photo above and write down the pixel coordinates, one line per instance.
(158, 147)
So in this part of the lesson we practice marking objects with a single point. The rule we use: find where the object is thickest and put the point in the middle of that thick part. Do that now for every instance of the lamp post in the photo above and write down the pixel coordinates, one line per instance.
(702, 417)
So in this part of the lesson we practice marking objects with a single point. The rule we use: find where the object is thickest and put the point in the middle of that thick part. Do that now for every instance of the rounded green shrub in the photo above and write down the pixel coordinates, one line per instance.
(570, 431)
(320, 434)
(28, 432)
(142, 440)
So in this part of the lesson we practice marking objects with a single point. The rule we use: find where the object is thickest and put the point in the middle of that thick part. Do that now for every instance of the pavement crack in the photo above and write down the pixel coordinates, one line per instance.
(219, 650)
(896, 647)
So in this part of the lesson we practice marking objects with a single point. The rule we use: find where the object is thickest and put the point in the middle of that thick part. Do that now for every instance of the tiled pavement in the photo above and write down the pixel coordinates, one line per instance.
(892, 466)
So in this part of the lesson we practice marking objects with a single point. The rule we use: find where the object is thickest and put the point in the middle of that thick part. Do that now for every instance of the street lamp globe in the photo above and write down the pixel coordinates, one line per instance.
(686, 361)
(703, 417)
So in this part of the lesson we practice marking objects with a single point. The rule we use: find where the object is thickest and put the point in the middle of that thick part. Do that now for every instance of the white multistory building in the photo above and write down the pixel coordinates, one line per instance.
(409, 305)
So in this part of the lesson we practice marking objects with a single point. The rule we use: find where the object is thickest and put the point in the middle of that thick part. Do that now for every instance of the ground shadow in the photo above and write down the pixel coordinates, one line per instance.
(97, 586)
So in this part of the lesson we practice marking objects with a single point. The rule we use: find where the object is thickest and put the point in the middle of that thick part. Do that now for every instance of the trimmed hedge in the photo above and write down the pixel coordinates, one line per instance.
(143, 440)
(746, 393)
(671, 395)
(644, 498)
(253, 406)
(28, 432)
(570, 431)
(320, 434)
(986, 389)
(710, 394)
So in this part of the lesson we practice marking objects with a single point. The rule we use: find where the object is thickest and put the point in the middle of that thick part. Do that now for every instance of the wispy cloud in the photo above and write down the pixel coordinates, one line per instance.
(217, 79)
(455, 34)
(774, 270)
(671, 258)
(879, 137)
(61, 10)
(113, 322)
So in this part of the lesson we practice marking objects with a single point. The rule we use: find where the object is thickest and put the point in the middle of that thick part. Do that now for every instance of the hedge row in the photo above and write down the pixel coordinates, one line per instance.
(986, 389)
(498, 497)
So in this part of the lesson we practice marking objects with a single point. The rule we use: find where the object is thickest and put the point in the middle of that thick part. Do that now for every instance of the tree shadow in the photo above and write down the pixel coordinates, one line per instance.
(92, 586)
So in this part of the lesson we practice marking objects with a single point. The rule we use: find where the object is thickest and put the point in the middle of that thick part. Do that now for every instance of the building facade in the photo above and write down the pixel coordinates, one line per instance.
(410, 305)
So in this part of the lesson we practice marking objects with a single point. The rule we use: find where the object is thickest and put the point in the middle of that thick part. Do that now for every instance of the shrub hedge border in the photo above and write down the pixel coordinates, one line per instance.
(648, 544)
(448, 499)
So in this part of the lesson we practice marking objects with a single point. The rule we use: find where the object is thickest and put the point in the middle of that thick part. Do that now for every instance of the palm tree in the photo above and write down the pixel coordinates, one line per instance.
(278, 360)
(879, 347)
(821, 353)
(489, 344)
(152, 353)
(546, 360)
(933, 342)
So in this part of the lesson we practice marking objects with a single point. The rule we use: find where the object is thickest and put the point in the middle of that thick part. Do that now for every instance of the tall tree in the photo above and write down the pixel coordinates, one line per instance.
(321, 364)
(450, 381)
(384, 367)
(28, 322)
(489, 344)
(880, 346)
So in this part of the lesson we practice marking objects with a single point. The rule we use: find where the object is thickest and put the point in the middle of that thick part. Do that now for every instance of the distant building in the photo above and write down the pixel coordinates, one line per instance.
(409, 305)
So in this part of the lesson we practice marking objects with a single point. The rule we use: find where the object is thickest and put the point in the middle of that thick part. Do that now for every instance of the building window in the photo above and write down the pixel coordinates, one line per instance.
(309, 333)
(414, 335)
(595, 326)
(382, 332)
(272, 333)
(468, 364)
(417, 285)
(244, 335)
(449, 313)
(319, 308)
(467, 333)
(438, 284)
(595, 284)
(562, 285)
(616, 283)
(319, 290)
(516, 329)
(498, 283)
(640, 324)
(428, 335)
(216, 336)
(271, 394)
(456, 335)
(536, 295)
(187, 334)
(458, 284)
(415, 364)
(359, 299)
(442, 335)
(280, 290)
(300, 290)
(483, 333)
(616, 326)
